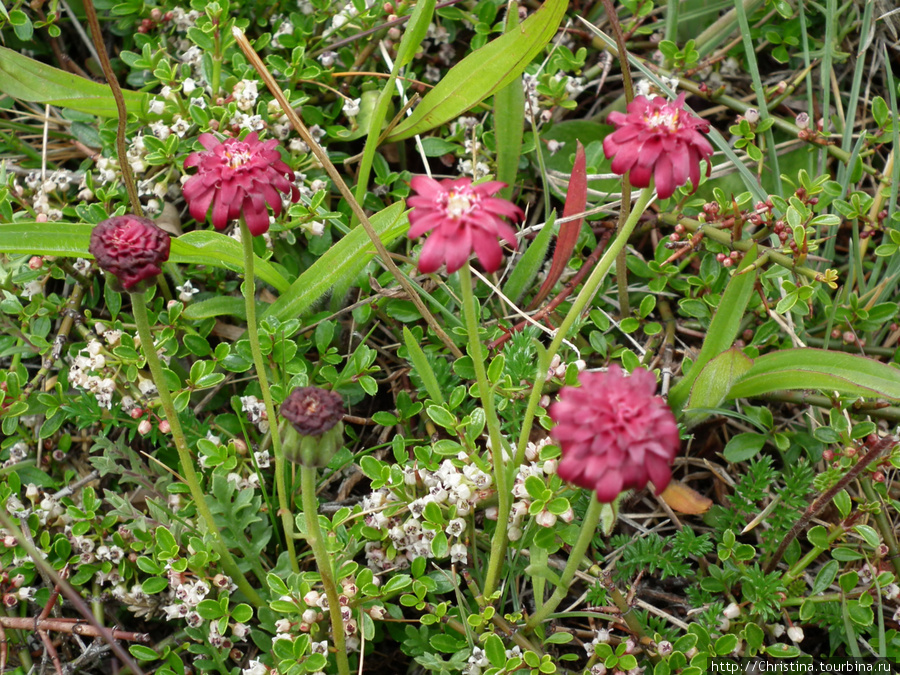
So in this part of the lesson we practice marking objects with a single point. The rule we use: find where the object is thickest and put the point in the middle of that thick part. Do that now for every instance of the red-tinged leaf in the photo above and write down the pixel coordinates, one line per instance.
(576, 200)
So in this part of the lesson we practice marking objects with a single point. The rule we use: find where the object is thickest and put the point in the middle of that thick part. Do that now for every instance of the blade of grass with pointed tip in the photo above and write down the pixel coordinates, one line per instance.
(713, 384)
(220, 305)
(529, 264)
(346, 257)
(809, 368)
(576, 201)
(423, 368)
(29, 80)
(509, 120)
(723, 329)
(483, 72)
(71, 240)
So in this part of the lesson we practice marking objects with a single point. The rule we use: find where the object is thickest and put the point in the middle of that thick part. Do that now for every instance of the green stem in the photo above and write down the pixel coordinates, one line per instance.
(139, 308)
(284, 509)
(500, 540)
(576, 556)
(600, 271)
(323, 562)
(587, 292)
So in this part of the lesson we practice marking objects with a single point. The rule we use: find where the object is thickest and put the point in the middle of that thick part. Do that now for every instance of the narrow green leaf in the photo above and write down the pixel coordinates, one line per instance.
(220, 305)
(721, 334)
(483, 72)
(712, 385)
(345, 259)
(530, 263)
(207, 247)
(29, 80)
(71, 240)
(422, 367)
(509, 120)
(576, 200)
(821, 370)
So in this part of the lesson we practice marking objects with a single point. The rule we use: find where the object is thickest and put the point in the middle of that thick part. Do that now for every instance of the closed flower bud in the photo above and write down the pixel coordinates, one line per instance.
(130, 248)
(316, 431)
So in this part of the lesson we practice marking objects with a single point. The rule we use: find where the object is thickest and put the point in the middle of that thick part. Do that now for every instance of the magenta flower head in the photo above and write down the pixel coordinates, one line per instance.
(660, 140)
(131, 248)
(461, 218)
(614, 433)
(316, 431)
(238, 177)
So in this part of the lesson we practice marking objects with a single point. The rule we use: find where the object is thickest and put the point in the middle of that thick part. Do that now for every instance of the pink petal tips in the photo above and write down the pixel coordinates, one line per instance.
(614, 433)
(659, 140)
(238, 177)
(462, 218)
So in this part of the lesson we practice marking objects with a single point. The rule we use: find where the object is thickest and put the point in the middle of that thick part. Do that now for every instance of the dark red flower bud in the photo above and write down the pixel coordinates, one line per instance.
(131, 248)
(316, 431)
(312, 411)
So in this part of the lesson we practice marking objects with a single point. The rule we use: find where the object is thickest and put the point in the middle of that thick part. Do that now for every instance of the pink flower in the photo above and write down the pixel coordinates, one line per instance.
(238, 177)
(614, 433)
(660, 140)
(463, 218)
(131, 248)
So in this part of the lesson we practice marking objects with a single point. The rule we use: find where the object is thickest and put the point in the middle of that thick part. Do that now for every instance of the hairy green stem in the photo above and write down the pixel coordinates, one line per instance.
(576, 556)
(500, 540)
(139, 308)
(581, 301)
(284, 507)
(323, 562)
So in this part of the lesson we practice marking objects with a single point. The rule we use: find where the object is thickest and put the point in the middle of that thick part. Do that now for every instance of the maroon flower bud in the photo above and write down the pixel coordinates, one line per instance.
(316, 431)
(131, 248)
(312, 411)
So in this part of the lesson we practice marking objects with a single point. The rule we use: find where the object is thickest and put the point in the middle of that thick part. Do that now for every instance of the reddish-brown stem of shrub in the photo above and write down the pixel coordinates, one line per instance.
(121, 150)
(818, 504)
(570, 286)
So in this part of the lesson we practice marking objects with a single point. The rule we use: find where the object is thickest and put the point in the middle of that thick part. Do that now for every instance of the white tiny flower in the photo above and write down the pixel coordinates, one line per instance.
(795, 633)
(733, 611)
(157, 107)
(351, 107)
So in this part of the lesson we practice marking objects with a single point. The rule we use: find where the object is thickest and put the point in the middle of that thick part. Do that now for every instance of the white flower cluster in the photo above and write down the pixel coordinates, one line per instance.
(184, 20)
(313, 609)
(347, 14)
(255, 667)
(601, 637)
(520, 507)
(187, 594)
(91, 359)
(438, 37)
(411, 538)
(256, 412)
(478, 660)
(477, 170)
(44, 186)
(245, 94)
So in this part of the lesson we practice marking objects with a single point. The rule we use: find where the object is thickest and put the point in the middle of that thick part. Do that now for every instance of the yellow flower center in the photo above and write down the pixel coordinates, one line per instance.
(237, 158)
(663, 120)
(459, 203)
